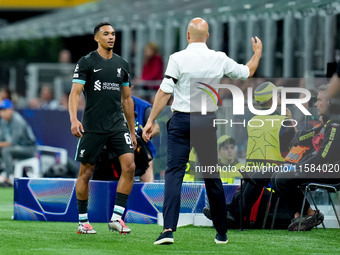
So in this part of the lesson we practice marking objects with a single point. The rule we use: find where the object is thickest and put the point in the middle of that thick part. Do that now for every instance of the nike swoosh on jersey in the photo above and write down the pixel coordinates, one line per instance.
(97, 70)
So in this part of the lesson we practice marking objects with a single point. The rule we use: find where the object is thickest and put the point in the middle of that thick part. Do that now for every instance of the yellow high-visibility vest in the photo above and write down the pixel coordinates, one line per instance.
(263, 147)
(190, 177)
(229, 176)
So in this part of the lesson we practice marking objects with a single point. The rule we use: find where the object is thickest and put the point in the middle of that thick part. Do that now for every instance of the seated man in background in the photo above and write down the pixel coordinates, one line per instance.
(46, 100)
(315, 148)
(17, 140)
(267, 146)
(228, 162)
(317, 166)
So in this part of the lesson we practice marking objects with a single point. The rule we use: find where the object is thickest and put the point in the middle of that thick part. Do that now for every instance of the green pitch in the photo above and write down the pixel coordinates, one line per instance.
(33, 237)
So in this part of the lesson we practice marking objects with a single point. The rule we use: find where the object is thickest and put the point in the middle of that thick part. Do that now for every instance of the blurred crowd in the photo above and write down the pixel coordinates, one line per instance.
(45, 101)
(144, 86)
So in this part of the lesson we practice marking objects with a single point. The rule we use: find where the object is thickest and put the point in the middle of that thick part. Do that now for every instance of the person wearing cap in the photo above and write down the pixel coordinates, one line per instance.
(267, 145)
(228, 161)
(268, 140)
(17, 140)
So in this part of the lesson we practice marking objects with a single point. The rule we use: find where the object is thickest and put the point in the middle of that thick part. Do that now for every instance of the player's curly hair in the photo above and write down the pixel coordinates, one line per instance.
(96, 28)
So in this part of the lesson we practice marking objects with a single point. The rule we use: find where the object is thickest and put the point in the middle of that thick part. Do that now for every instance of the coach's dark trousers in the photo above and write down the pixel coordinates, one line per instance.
(185, 131)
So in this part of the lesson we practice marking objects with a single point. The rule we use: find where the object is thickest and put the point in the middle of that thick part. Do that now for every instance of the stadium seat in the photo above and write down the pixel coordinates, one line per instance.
(46, 157)
(31, 163)
(49, 156)
(330, 188)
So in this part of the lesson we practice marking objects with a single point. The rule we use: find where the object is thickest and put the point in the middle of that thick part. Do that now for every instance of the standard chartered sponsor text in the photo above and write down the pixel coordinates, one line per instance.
(111, 86)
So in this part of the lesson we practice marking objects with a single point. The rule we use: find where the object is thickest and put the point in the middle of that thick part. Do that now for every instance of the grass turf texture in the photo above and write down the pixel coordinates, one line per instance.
(36, 237)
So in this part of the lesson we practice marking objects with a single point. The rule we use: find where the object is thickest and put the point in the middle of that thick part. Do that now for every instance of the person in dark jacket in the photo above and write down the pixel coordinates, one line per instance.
(321, 165)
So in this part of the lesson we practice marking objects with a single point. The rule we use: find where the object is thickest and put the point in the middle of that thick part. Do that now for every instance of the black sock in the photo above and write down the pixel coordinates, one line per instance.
(120, 204)
(121, 199)
(82, 210)
(82, 206)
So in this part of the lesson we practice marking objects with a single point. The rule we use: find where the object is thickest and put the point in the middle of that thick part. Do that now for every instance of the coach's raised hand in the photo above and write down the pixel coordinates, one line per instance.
(254, 61)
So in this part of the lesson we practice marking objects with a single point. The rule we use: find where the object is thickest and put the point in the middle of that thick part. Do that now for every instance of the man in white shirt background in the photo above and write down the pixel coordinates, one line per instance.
(186, 128)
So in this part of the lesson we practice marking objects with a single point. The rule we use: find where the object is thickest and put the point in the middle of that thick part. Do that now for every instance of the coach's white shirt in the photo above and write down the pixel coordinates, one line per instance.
(198, 61)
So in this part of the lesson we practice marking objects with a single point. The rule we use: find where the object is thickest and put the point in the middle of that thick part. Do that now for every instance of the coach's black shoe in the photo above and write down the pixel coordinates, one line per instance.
(165, 238)
(221, 239)
(207, 213)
